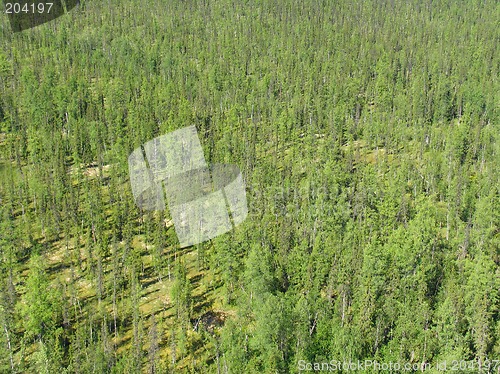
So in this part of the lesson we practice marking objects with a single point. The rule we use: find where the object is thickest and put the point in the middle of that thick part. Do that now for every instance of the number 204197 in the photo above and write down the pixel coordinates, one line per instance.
(17, 8)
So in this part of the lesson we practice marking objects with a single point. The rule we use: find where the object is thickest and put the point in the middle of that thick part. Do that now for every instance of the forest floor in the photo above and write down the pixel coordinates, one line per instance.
(67, 264)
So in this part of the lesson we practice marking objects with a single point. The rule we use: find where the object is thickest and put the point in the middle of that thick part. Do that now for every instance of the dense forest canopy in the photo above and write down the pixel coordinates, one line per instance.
(368, 136)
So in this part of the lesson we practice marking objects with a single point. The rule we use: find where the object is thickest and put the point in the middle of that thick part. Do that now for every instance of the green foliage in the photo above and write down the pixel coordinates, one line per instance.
(367, 134)
(40, 305)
